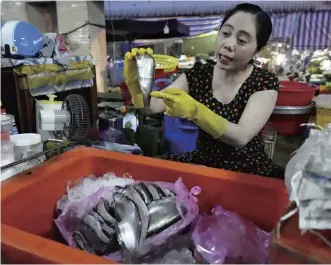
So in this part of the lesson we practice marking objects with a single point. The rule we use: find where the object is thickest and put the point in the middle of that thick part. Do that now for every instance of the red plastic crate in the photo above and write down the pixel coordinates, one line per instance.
(28, 234)
(293, 247)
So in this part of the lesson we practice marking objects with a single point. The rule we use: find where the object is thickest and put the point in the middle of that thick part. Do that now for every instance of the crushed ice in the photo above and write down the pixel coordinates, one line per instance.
(85, 187)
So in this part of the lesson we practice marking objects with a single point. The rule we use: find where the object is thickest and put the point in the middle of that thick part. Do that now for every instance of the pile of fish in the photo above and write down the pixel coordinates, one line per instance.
(134, 213)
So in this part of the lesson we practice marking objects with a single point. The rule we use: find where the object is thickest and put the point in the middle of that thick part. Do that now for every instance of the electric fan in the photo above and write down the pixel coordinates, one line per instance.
(71, 122)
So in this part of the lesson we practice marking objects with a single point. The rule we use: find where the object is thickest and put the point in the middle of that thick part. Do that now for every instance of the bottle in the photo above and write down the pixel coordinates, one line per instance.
(14, 130)
(7, 149)
(7, 156)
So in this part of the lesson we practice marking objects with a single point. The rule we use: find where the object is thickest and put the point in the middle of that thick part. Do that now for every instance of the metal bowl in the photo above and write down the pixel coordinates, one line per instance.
(288, 110)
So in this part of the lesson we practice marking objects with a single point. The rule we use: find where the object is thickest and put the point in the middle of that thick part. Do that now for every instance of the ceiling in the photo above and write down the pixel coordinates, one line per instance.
(154, 8)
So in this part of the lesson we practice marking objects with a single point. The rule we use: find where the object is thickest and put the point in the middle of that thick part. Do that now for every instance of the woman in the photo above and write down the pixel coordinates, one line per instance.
(230, 100)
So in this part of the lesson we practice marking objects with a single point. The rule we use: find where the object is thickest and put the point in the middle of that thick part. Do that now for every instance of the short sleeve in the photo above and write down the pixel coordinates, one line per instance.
(271, 81)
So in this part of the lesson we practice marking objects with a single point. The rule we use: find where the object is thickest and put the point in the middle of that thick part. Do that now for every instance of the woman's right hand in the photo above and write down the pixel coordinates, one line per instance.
(131, 75)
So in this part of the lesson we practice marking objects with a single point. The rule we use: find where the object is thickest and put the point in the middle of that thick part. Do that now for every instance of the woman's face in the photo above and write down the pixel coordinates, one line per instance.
(236, 42)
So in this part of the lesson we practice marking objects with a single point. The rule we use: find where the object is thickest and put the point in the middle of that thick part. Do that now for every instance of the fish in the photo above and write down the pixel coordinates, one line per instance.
(128, 228)
(82, 243)
(143, 192)
(97, 216)
(145, 71)
(104, 209)
(92, 223)
(133, 194)
(91, 238)
(137, 212)
(162, 214)
(160, 191)
(153, 191)
(167, 192)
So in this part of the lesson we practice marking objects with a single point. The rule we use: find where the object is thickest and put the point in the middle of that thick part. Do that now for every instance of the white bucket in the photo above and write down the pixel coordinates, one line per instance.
(26, 145)
(7, 122)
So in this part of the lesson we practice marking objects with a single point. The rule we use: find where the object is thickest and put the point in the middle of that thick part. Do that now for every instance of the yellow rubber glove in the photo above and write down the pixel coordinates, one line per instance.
(131, 75)
(180, 104)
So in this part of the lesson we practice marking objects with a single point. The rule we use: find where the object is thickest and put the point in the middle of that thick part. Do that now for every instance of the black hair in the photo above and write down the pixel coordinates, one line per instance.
(262, 22)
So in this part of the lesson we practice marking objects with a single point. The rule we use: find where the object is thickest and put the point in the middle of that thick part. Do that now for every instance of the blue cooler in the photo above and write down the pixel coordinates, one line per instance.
(180, 134)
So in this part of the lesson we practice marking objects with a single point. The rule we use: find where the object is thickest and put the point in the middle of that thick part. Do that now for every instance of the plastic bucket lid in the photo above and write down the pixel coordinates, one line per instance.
(6, 119)
(25, 145)
(7, 122)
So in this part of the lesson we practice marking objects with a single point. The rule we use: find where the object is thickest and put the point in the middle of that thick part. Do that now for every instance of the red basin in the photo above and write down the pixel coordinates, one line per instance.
(295, 93)
(289, 124)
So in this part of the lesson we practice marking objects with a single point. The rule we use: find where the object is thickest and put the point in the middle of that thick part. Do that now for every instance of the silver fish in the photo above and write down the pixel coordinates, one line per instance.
(163, 192)
(128, 228)
(91, 238)
(142, 210)
(97, 216)
(144, 192)
(162, 214)
(146, 74)
(81, 242)
(167, 192)
(103, 209)
(153, 191)
(96, 227)
(160, 191)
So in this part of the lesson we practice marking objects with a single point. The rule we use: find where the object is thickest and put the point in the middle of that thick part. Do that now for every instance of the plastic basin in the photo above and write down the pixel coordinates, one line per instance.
(28, 234)
(295, 93)
(288, 120)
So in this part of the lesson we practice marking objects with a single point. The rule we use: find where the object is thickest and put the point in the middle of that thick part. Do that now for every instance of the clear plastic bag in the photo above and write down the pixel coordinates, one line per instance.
(225, 237)
(112, 135)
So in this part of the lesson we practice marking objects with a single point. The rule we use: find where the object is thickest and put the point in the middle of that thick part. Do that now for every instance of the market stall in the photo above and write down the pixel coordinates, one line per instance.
(116, 205)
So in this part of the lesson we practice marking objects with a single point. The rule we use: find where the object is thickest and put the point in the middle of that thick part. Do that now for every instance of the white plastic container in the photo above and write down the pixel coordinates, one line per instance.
(7, 122)
(26, 145)
(7, 155)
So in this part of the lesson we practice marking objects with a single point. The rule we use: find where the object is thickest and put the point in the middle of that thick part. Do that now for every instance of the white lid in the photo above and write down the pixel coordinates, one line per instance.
(6, 118)
(25, 139)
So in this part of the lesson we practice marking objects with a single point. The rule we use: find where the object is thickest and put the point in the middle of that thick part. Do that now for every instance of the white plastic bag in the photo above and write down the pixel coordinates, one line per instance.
(308, 180)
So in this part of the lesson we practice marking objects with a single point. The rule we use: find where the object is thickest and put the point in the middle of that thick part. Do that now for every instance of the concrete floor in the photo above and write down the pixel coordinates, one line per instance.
(285, 146)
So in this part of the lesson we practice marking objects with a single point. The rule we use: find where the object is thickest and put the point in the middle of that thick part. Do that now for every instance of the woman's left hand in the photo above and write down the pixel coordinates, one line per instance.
(178, 103)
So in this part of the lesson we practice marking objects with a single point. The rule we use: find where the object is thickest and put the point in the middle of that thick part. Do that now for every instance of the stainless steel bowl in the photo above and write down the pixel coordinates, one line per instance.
(289, 110)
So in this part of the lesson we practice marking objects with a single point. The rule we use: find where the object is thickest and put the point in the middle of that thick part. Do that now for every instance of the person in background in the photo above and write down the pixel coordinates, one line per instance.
(230, 100)
(292, 75)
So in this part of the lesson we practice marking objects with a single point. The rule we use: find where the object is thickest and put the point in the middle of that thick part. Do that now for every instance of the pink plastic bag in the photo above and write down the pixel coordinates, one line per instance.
(224, 237)
(69, 221)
